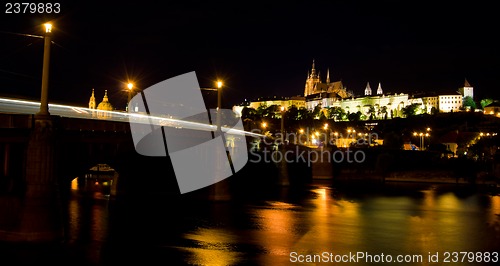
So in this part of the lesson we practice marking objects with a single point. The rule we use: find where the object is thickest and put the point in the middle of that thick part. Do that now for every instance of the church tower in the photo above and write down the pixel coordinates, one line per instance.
(311, 81)
(368, 90)
(105, 105)
(92, 104)
(467, 90)
(379, 90)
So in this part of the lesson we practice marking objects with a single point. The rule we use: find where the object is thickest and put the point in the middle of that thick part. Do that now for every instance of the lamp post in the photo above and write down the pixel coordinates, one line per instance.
(219, 88)
(44, 99)
(130, 87)
(283, 167)
(422, 140)
(421, 136)
(40, 213)
(327, 134)
(424, 135)
(282, 124)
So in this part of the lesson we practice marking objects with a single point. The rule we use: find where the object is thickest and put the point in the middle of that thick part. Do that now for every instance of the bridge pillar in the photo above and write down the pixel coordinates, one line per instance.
(282, 164)
(220, 191)
(321, 165)
(38, 216)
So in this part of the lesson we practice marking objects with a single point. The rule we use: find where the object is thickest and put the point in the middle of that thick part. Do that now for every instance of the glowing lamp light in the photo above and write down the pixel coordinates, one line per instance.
(219, 84)
(130, 86)
(48, 27)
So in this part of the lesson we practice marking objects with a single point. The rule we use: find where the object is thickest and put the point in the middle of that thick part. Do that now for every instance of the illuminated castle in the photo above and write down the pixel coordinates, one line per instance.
(381, 105)
(334, 94)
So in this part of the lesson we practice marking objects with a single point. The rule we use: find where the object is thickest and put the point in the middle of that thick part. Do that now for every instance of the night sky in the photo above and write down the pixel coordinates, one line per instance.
(259, 48)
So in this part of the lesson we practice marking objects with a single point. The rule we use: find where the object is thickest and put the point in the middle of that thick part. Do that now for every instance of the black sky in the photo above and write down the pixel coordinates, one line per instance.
(259, 48)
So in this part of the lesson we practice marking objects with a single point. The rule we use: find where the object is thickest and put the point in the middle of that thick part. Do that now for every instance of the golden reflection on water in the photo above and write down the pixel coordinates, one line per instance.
(449, 202)
(494, 214)
(90, 220)
(213, 247)
(422, 236)
(411, 225)
(334, 225)
(277, 227)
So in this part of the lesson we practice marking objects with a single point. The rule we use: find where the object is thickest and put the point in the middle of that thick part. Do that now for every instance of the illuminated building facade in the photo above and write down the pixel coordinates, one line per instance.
(334, 94)
(104, 105)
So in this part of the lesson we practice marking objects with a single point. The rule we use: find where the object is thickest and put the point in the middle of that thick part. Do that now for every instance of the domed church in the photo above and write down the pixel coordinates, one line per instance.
(105, 106)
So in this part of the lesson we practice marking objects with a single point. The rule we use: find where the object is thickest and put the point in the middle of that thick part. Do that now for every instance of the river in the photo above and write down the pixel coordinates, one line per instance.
(421, 224)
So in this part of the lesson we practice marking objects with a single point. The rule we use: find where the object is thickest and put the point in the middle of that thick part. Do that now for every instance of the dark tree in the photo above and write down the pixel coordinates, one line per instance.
(469, 102)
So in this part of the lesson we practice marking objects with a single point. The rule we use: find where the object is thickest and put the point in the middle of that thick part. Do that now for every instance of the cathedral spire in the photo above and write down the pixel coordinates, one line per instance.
(379, 90)
(311, 81)
(92, 103)
(328, 76)
(368, 90)
(313, 70)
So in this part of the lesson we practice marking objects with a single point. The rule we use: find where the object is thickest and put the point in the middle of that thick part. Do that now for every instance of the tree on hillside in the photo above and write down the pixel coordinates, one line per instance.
(317, 111)
(292, 113)
(469, 103)
(383, 111)
(410, 110)
(271, 111)
(336, 113)
(485, 102)
(260, 110)
(248, 113)
(303, 114)
(354, 116)
(371, 112)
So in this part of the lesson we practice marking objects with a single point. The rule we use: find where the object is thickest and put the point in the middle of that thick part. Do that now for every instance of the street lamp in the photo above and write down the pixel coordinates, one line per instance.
(130, 87)
(44, 99)
(219, 89)
(421, 136)
(426, 135)
(327, 133)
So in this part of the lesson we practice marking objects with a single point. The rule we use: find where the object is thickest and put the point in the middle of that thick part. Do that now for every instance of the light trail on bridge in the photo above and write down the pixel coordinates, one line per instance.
(18, 106)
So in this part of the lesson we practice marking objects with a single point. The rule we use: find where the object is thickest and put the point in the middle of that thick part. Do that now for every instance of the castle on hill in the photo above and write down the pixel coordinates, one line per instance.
(329, 94)
(374, 103)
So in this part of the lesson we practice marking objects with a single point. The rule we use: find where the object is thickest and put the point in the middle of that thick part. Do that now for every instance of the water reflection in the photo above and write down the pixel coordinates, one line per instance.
(412, 220)
(88, 216)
